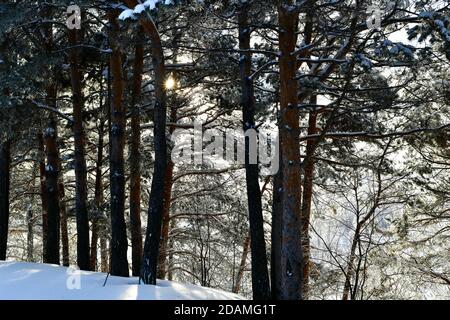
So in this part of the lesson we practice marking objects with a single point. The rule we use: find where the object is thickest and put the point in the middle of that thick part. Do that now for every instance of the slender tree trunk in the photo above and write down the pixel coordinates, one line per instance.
(43, 192)
(135, 158)
(51, 254)
(260, 273)
(119, 243)
(80, 156)
(168, 185)
(98, 199)
(5, 173)
(164, 265)
(291, 250)
(309, 164)
(96, 227)
(350, 264)
(277, 213)
(170, 250)
(156, 202)
(64, 228)
(243, 264)
(30, 220)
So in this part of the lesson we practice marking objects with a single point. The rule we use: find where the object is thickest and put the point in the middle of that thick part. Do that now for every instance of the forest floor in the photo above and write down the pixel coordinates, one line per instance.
(33, 281)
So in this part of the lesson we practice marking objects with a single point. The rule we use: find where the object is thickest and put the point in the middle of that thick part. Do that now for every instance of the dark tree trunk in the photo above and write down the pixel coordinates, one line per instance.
(96, 227)
(164, 264)
(277, 213)
(309, 164)
(43, 191)
(30, 221)
(5, 173)
(291, 250)
(135, 158)
(80, 157)
(260, 273)
(156, 202)
(162, 268)
(64, 229)
(168, 185)
(119, 243)
(51, 253)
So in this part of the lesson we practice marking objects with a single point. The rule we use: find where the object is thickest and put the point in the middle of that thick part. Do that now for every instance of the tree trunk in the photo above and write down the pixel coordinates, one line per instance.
(162, 268)
(119, 243)
(309, 164)
(260, 274)
(96, 228)
(51, 253)
(43, 192)
(135, 158)
(291, 250)
(156, 202)
(240, 274)
(5, 173)
(350, 264)
(164, 264)
(80, 158)
(168, 185)
(276, 236)
(30, 220)
(64, 229)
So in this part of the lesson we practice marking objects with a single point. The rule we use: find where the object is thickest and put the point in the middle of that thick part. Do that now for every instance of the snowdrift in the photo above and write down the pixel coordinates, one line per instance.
(32, 281)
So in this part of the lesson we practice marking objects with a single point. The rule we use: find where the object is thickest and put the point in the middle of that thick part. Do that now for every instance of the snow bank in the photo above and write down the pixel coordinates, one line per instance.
(32, 281)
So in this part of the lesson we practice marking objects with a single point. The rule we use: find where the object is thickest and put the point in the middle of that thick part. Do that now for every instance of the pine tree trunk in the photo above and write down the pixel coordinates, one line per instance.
(260, 274)
(164, 264)
(43, 192)
(135, 158)
(96, 228)
(168, 185)
(5, 173)
(277, 213)
(64, 229)
(309, 164)
(162, 268)
(51, 254)
(80, 157)
(156, 203)
(30, 221)
(119, 243)
(291, 250)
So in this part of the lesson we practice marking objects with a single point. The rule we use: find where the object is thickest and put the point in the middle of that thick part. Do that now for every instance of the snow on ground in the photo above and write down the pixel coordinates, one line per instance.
(32, 281)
